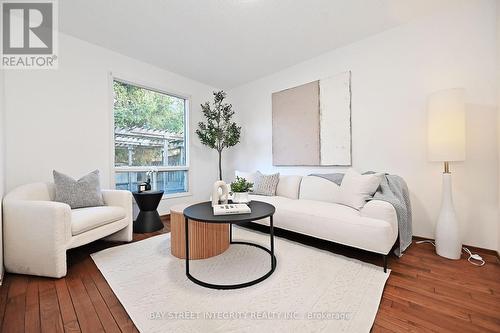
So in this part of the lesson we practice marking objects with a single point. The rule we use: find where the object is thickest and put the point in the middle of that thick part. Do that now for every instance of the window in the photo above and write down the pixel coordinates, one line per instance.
(150, 138)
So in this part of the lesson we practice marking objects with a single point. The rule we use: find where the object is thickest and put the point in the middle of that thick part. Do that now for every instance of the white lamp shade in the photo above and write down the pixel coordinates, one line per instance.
(446, 125)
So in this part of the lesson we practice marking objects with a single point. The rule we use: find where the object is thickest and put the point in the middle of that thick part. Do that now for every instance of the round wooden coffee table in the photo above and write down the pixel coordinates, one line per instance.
(209, 239)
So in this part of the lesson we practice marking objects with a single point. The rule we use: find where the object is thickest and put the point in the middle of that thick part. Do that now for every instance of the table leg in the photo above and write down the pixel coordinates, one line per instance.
(230, 233)
(186, 229)
(240, 285)
(271, 232)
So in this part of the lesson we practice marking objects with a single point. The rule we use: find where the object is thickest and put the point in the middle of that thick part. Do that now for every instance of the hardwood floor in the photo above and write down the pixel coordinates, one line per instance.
(424, 293)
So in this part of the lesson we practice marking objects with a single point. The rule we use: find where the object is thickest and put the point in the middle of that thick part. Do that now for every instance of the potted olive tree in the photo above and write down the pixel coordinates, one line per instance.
(240, 188)
(219, 131)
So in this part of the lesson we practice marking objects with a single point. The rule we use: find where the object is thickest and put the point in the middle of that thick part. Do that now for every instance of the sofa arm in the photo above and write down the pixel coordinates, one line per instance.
(118, 198)
(381, 210)
(122, 199)
(36, 234)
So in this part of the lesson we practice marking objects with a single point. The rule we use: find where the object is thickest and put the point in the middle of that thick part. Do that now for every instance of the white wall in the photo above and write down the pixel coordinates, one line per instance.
(61, 119)
(498, 114)
(2, 169)
(392, 75)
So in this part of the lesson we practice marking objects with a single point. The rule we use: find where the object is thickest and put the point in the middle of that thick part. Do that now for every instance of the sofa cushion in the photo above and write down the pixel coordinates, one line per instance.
(356, 188)
(85, 219)
(333, 222)
(288, 186)
(84, 192)
(266, 184)
(276, 201)
(317, 188)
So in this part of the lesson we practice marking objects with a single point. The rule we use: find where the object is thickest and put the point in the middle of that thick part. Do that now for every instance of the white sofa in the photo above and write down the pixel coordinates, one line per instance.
(38, 231)
(306, 205)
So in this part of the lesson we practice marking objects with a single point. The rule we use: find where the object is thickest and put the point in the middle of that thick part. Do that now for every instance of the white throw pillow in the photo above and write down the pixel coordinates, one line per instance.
(288, 186)
(356, 188)
(318, 189)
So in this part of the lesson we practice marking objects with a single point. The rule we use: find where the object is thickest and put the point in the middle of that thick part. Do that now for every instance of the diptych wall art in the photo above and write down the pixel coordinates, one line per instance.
(312, 123)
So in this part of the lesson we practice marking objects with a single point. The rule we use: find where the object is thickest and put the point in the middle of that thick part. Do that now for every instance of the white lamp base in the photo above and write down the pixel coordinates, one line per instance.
(448, 241)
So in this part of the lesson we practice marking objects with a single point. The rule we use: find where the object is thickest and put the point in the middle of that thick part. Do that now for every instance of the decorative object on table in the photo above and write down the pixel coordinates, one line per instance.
(203, 212)
(142, 187)
(231, 209)
(220, 193)
(266, 184)
(219, 131)
(312, 123)
(151, 180)
(240, 188)
(84, 192)
(148, 219)
(148, 184)
(249, 176)
(446, 143)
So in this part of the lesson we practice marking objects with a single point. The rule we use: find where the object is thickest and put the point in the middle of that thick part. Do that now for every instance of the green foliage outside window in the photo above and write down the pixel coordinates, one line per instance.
(138, 107)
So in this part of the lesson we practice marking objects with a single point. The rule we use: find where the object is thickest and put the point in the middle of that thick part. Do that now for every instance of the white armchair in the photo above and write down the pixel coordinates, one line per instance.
(38, 231)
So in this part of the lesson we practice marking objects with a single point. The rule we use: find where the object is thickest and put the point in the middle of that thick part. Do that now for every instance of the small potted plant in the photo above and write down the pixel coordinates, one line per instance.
(240, 188)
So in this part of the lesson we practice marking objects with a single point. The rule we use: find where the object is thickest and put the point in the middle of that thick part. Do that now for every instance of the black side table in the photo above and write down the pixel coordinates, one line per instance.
(148, 219)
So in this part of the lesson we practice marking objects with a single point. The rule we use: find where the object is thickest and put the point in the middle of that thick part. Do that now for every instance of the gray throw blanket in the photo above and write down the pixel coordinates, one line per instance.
(393, 190)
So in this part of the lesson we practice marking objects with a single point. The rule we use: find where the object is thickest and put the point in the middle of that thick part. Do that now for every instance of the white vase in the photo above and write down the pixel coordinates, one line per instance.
(448, 241)
(240, 197)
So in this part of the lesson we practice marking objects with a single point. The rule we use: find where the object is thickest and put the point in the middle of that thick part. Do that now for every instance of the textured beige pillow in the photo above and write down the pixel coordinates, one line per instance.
(266, 184)
(356, 188)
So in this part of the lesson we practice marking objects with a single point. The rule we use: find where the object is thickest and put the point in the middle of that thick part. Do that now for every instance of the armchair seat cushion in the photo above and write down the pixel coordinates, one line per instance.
(85, 219)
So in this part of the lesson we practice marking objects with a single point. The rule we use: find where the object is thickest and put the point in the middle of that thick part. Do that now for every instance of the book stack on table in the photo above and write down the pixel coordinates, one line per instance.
(231, 209)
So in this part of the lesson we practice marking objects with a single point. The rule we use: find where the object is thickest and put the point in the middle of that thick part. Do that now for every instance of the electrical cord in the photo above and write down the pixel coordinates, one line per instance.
(474, 258)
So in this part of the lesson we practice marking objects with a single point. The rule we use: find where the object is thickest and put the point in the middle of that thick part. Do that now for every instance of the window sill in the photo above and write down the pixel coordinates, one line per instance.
(176, 195)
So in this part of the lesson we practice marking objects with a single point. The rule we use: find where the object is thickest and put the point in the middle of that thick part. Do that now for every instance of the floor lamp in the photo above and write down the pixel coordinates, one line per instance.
(446, 143)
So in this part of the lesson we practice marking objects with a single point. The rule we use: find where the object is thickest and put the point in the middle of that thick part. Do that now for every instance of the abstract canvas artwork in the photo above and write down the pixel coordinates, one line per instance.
(312, 123)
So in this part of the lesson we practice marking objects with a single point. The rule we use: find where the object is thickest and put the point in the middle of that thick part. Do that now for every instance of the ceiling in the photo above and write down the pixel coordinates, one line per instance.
(225, 43)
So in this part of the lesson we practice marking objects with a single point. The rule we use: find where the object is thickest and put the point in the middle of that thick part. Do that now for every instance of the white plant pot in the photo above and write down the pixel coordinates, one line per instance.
(240, 197)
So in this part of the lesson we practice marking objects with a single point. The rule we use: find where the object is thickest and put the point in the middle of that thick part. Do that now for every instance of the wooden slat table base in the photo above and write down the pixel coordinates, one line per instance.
(205, 239)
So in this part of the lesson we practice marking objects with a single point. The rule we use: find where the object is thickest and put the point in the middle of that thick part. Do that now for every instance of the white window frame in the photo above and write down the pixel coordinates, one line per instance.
(123, 169)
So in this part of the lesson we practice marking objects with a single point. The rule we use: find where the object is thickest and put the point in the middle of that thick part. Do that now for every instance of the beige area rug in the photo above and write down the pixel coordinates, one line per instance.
(310, 291)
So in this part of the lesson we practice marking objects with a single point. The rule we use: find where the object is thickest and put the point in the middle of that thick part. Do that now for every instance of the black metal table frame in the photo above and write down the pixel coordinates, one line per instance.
(239, 285)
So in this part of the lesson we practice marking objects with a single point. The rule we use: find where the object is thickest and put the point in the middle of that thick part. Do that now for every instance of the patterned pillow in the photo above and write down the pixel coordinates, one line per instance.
(84, 192)
(266, 184)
